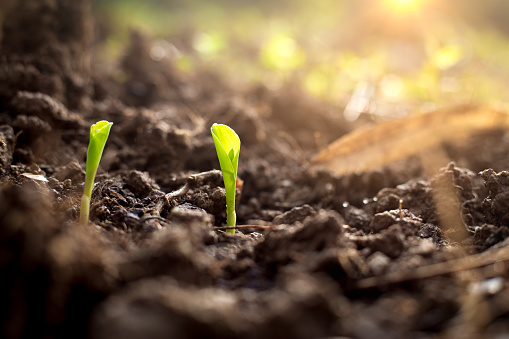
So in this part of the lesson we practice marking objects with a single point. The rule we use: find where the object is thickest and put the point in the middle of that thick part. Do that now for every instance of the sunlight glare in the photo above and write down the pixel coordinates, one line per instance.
(404, 6)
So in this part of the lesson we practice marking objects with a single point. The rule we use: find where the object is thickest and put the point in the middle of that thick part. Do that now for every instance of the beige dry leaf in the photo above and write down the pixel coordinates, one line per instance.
(374, 147)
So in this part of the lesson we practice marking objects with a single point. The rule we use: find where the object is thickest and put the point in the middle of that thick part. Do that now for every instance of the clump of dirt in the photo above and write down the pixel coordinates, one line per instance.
(495, 204)
(388, 252)
(51, 56)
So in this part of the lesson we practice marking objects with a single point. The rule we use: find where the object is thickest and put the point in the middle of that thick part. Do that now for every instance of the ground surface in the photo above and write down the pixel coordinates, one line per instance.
(384, 253)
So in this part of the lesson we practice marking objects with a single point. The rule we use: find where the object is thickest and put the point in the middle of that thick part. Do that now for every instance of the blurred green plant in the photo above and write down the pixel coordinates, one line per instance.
(414, 53)
(281, 52)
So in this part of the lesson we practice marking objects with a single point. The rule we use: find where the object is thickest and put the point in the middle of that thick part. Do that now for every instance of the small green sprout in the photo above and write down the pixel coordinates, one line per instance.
(228, 147)
(98, 135)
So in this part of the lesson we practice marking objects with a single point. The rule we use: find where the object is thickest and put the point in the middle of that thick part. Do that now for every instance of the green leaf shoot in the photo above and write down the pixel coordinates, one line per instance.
(227, 144)
(99, 133)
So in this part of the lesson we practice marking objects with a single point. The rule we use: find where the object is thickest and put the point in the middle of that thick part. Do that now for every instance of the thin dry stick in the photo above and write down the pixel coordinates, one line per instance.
(451, 266)
(257, 227)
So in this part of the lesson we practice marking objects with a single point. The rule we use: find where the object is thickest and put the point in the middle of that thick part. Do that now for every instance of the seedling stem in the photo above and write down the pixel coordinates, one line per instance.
(99, 133)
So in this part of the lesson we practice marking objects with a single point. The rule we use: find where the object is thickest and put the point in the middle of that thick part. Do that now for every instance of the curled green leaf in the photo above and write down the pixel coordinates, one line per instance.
(99, 133)
(227, 144)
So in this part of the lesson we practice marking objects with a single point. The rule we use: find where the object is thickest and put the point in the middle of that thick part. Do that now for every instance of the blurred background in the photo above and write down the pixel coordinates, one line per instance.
(383, 57)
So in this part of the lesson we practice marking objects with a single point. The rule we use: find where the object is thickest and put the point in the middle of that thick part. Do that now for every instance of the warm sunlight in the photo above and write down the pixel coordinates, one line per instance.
(404, 5)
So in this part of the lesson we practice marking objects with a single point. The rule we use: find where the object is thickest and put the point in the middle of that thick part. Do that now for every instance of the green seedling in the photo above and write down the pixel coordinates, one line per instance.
(228, 147)
(98, 135)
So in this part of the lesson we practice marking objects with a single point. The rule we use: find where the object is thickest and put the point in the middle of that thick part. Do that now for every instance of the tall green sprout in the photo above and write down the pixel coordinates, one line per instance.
(99, 133)
(228, 147)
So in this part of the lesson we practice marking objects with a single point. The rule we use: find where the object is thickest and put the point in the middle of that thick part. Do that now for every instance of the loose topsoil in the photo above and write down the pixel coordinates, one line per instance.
(385, 253)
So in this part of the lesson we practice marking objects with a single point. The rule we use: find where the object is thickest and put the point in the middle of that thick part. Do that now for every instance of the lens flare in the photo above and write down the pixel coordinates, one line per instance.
(404, 6)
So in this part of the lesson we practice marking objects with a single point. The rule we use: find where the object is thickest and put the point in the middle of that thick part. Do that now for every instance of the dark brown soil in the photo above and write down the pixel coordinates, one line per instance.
(388, 253)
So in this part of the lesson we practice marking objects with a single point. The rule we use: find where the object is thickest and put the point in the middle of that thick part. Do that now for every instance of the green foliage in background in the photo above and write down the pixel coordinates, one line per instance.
(424, 54)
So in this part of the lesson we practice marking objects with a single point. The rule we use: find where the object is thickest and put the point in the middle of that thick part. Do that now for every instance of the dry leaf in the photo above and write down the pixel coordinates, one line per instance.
(385, 143)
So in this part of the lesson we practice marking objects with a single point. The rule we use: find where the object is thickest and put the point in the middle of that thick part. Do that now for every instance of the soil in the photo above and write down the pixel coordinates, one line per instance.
(384, 253)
